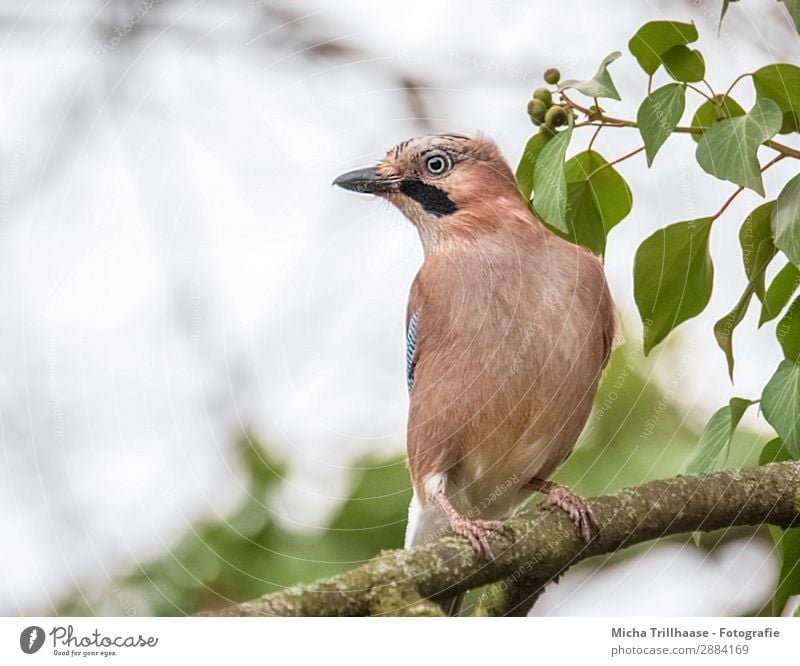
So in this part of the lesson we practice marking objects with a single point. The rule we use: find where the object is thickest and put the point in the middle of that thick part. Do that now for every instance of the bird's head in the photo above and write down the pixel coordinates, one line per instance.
(448, 185)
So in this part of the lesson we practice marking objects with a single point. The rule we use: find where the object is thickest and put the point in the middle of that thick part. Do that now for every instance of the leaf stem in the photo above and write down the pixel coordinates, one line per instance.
(594, 136)
(616, 161)
(736, 80)
(624, 157)
(728, 202)
(700, 92)
(602, 120)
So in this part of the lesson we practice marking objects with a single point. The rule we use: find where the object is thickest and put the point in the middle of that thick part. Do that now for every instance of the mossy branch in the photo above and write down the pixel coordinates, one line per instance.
(403, 582)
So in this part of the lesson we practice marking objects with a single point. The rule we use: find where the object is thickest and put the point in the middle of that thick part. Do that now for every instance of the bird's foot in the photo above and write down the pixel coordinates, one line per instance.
(577, 508)
(475, 530)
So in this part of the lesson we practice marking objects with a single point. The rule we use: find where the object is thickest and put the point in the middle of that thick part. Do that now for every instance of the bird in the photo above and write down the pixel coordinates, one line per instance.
(508, 329)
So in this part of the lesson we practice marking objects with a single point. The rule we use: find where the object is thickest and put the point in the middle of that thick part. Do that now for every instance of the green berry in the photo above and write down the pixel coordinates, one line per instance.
(555, 117)
(552, 76)
(544, 95)
(537, 110)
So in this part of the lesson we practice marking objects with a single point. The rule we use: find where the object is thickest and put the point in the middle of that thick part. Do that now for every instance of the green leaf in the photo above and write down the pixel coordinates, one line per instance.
(527, 163)
(773, 451)
(781, 84)
(786, 220)
(724, 11)
(658, 115)
(793, 7)
(755, 238)
(684, 64)
(728, 149)
(600, 85)
(723, 328)
(598, 198)
(787, 541)
(780, 404)
(787, 544)
(783, 285)
(550, 183)
(672, 277)
(788, 332)
(758, 248)
(711, 112)
(712, 450)
(655, 38)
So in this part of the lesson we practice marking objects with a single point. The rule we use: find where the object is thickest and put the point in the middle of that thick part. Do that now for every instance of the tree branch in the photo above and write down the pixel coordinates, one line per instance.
(543, 545)
(600, 119)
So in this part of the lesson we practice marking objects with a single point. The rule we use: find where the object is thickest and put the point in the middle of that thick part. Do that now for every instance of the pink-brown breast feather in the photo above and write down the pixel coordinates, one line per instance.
(514, 328)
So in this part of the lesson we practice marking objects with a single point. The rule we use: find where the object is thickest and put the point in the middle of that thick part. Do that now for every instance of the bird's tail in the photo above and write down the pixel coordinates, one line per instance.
(425, 525)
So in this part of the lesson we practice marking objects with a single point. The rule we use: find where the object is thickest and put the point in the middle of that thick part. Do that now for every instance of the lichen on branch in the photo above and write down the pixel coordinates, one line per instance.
(541, 546)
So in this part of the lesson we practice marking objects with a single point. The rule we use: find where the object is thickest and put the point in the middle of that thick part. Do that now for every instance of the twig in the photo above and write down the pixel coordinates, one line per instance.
(608, 121)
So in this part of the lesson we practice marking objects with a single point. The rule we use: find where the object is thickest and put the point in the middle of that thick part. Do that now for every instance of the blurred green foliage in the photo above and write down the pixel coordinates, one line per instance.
(637, 432)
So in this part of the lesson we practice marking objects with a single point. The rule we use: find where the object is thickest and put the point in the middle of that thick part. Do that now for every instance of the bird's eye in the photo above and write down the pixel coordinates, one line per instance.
(437, 164)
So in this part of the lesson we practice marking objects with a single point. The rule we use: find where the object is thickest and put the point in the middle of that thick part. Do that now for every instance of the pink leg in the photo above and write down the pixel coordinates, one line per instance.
(573, 505)
(475, 530)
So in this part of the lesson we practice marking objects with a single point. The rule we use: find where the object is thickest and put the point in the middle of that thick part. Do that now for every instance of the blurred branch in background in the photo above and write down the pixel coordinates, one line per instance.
(402, 582)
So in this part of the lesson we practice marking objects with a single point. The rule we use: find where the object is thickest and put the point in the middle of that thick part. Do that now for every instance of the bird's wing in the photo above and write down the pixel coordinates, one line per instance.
(413, 317)
(411, 348)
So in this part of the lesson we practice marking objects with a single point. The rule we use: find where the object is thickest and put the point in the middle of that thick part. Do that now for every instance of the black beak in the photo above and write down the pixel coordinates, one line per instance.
(367, 181)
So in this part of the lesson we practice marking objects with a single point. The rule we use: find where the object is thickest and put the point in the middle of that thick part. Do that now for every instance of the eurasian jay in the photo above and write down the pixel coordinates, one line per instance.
(508, 330)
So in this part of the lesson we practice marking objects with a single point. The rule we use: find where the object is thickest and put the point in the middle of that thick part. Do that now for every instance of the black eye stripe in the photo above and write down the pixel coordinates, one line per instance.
(431, 198)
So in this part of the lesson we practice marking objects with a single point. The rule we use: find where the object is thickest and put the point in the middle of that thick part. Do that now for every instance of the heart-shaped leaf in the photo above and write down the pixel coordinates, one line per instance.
(598, 198)
(781, 84)
(710, 112)
(728, 149)
(672, 277)
(658, 115)
(655, 38)
(600, 85)
(684, 64)
(780, 404)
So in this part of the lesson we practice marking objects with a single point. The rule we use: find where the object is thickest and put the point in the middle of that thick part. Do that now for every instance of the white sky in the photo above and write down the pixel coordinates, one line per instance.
(177, 266)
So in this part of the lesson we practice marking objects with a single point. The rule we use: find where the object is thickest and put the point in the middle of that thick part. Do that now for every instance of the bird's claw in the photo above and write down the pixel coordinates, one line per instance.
(477, 532)
(579, 511)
